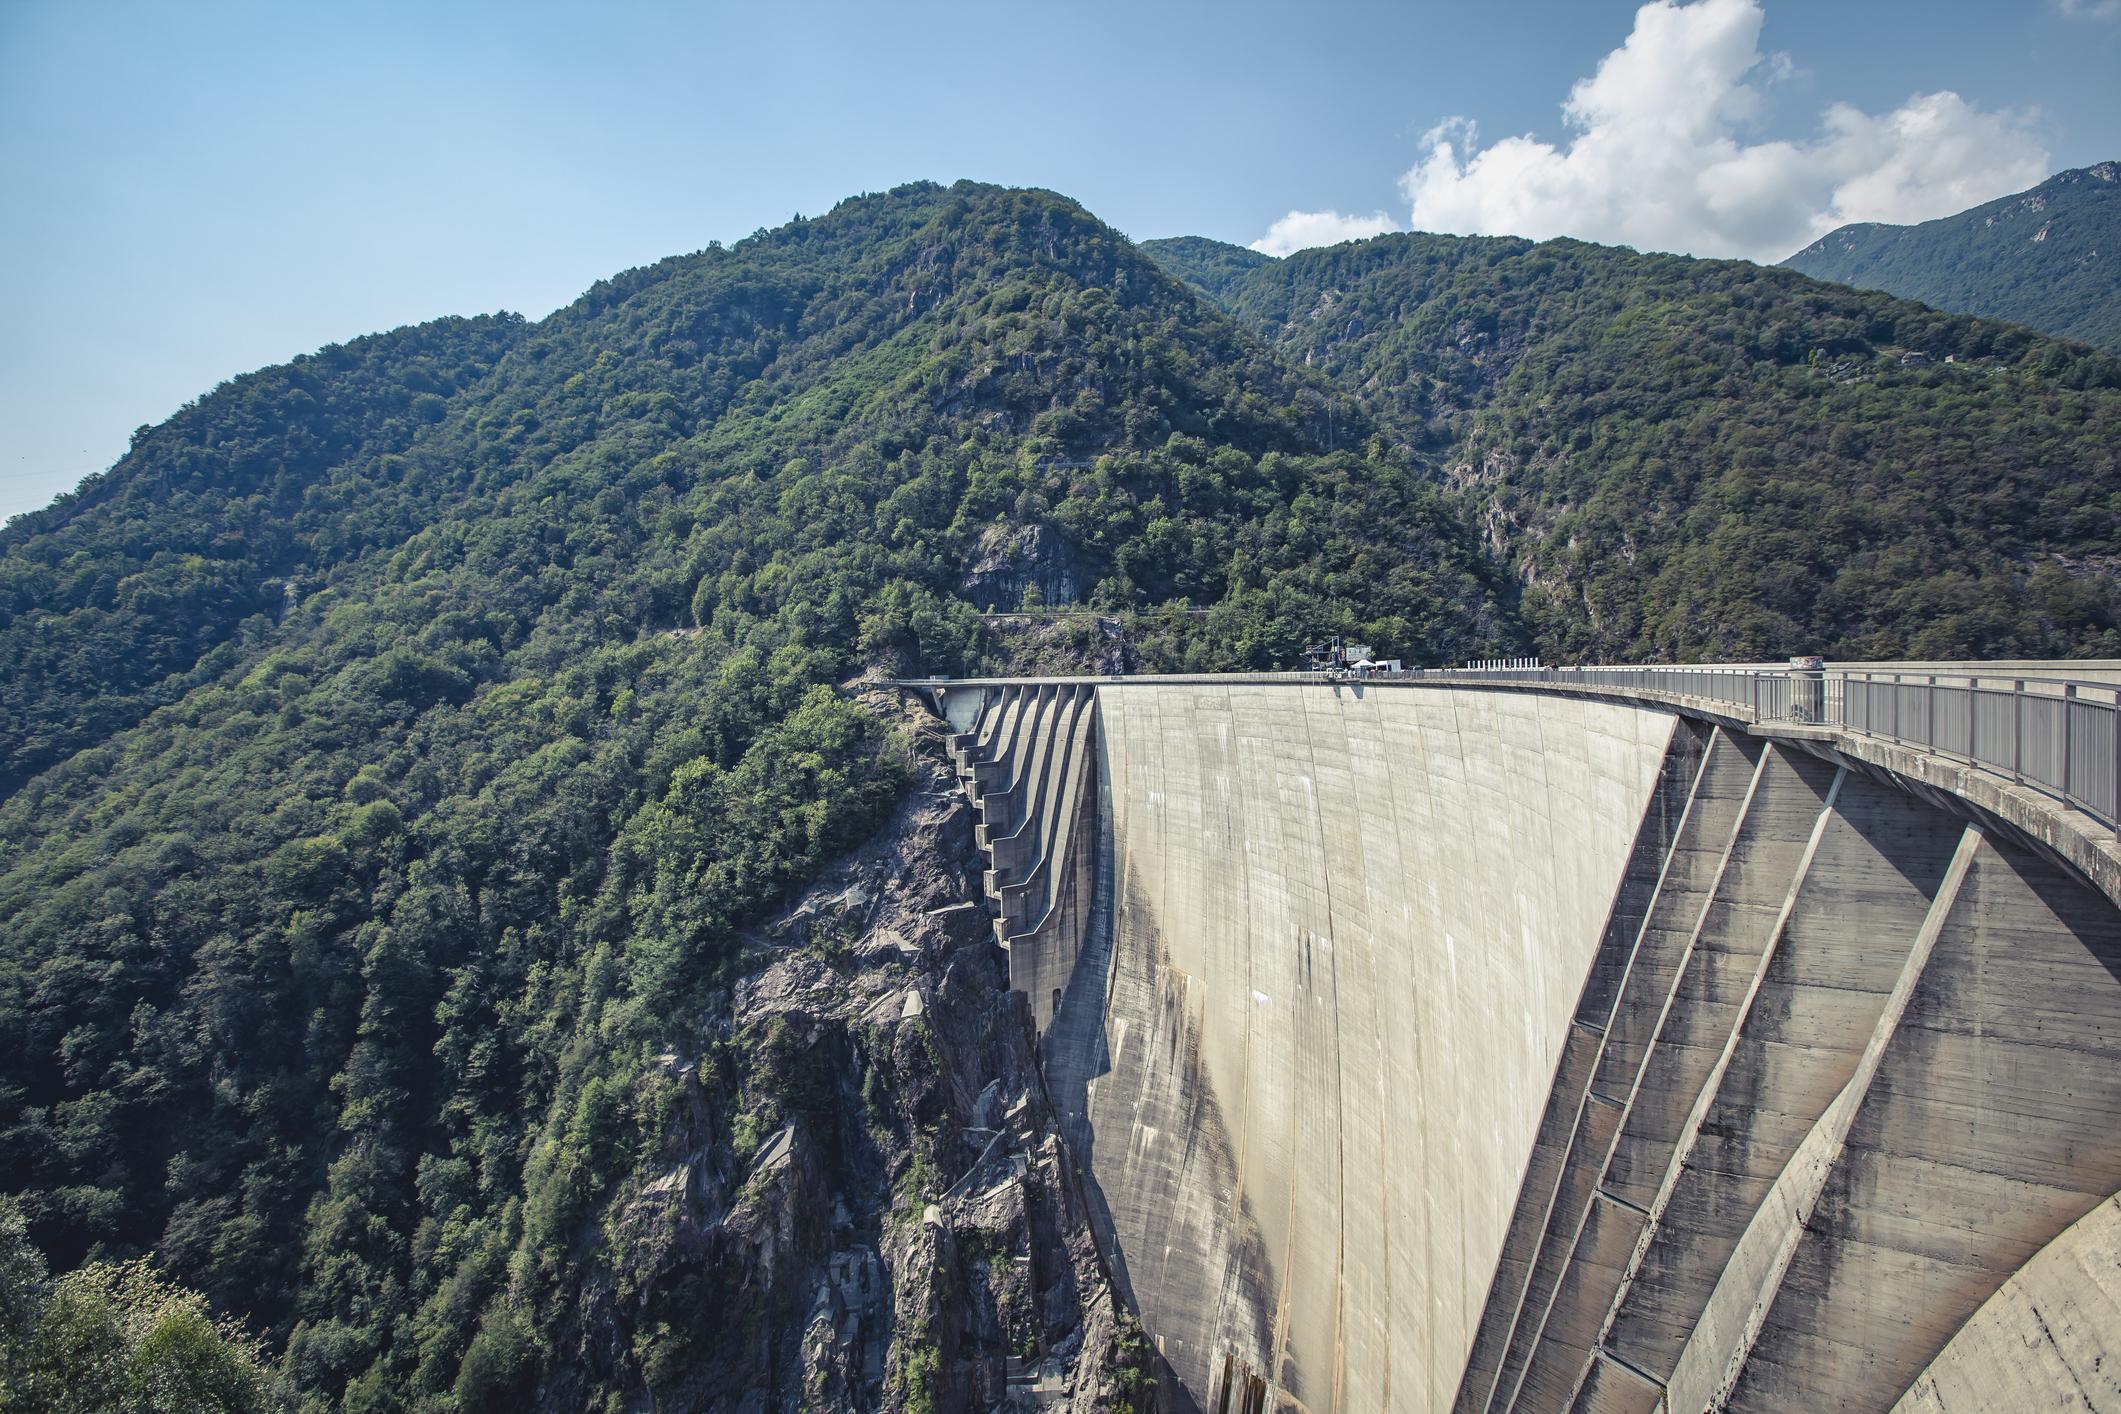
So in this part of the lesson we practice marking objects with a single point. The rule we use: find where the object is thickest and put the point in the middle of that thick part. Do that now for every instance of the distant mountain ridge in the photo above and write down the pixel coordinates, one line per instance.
(1652, 443)
(1216, 268)
(2049, 258)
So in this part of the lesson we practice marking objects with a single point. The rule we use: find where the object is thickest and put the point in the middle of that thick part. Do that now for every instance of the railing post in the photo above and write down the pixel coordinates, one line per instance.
(2018, 729)
(2069, 695)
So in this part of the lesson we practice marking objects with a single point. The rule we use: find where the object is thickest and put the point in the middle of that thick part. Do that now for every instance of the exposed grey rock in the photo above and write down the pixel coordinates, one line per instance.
(864, 1204)
(1010, 560)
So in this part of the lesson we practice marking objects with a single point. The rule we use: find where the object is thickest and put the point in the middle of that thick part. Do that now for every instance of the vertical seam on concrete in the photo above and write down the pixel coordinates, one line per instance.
(1404, 812)
(1285, 1298)
(1712, 1084)
(1391, 814)
(1538, 717)
(1545, 822)
(1649, 911)
(1233, 798)
(1971, 840)
(1232, 1276)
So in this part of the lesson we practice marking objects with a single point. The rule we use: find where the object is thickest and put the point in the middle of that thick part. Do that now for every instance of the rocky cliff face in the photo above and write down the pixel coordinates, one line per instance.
(866, 1204)
(1010, 562)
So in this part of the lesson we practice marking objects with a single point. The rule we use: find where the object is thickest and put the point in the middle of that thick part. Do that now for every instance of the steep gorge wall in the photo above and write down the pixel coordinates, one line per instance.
(1340, 937)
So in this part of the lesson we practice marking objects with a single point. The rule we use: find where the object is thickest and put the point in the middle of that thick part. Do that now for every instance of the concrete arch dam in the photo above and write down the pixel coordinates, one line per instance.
(1457, 1047)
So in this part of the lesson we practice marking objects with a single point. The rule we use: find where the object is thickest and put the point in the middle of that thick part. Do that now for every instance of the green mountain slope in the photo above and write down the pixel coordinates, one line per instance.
(111, 597)
(1684, 459)
(1216, 268)
(2049, 258)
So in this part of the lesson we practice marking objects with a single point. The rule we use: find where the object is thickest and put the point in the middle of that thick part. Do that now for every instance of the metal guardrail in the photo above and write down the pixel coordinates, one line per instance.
(2053, 734)
(2056, 735)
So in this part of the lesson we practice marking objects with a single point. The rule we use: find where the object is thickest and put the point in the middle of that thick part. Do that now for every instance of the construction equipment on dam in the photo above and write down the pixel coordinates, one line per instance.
(1625, 1039)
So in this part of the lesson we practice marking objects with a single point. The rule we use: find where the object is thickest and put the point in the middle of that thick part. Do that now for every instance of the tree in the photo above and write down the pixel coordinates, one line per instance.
(114, 1336)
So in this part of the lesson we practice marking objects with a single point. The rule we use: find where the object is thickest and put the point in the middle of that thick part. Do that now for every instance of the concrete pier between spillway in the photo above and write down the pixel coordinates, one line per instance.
(1456, 1047)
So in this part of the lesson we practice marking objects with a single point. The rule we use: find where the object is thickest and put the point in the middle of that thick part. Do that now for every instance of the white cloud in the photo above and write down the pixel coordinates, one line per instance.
(1300, 230)
(1658, 156)
(2091, 9)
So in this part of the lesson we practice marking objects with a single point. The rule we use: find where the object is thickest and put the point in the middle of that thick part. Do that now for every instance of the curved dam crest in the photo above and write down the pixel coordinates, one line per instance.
(1462, 1048)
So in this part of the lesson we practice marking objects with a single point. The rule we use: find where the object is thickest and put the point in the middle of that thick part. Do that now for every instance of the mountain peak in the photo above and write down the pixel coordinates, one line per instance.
(2049, 257)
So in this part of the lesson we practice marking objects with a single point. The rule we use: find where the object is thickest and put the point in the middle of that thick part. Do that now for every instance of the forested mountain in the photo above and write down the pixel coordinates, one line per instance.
(428, 927)
(1214, 268)
(338, 982)
(1685, 459)
(2049, 257)
(111, 597)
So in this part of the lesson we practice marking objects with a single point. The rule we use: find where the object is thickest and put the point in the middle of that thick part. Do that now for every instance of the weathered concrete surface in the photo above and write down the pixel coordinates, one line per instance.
(1024, 754)
(1691, 868)
(1793, 1037)
(1349, 933)
(1696, 981)
(1575, 1119)
(1751, 1279)
(1984, 1129)
(2046, 1339)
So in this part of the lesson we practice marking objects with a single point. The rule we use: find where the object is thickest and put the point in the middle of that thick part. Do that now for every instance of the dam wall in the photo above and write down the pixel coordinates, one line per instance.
(1450, 1047)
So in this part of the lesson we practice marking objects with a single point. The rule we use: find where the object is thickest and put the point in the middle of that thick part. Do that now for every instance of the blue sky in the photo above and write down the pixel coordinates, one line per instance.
(197, 190)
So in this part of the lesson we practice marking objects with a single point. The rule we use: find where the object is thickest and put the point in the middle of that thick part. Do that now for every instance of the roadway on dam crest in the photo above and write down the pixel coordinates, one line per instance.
(1452, 1047)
